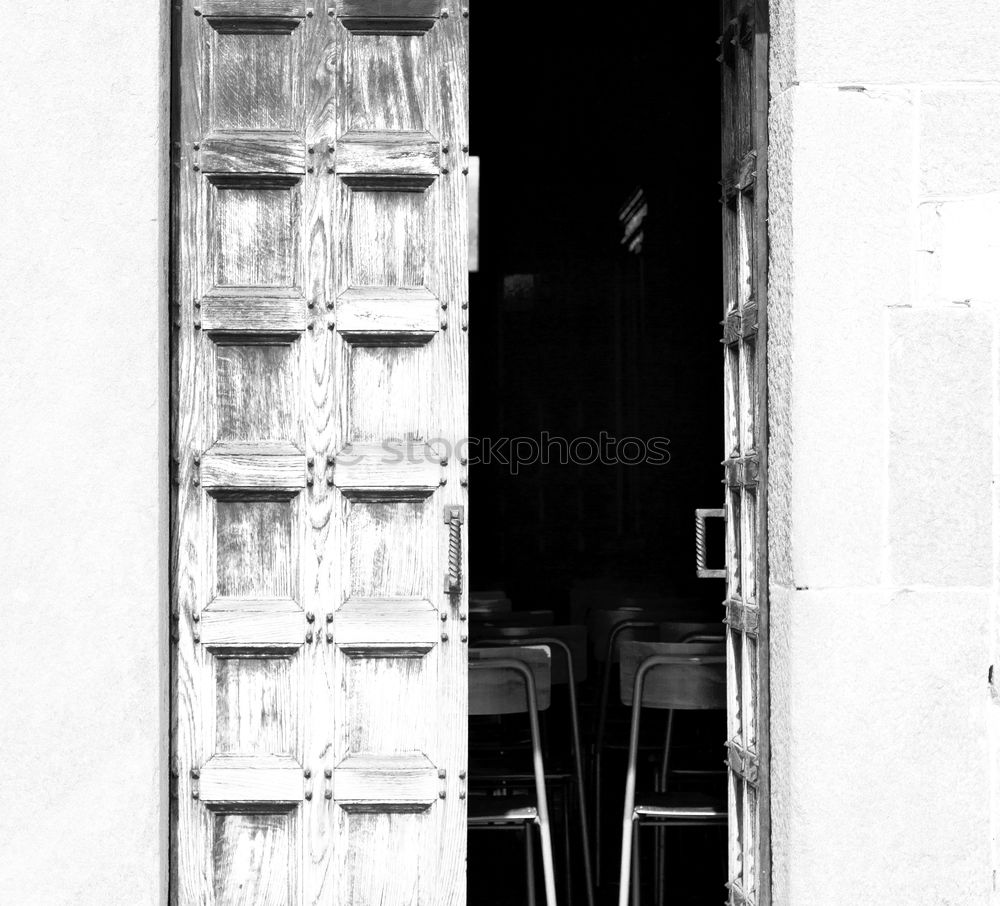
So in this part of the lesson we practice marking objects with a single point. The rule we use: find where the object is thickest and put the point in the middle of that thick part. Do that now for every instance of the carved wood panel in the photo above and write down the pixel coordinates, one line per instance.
(320, 385)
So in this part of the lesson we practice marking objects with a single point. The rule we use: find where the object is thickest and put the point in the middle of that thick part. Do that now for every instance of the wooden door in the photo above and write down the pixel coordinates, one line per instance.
(320, 395)
(744, 45)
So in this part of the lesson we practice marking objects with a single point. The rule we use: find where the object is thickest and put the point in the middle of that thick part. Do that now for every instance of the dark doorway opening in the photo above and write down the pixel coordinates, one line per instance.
(595, 318)
(572, 333)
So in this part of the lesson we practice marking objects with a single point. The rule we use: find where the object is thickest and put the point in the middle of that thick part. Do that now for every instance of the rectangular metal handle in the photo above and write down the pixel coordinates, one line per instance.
(699, 543)
(454, 516)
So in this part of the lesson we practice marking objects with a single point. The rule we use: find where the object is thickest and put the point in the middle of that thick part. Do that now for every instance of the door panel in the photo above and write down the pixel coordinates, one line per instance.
(320, 387)
(744, 46)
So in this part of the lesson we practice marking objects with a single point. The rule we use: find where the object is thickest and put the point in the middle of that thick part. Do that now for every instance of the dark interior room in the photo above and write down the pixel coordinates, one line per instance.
(595, 313)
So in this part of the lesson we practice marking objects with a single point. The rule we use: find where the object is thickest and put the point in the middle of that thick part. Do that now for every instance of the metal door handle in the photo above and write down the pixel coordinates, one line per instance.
(454, 516)
(699, 543)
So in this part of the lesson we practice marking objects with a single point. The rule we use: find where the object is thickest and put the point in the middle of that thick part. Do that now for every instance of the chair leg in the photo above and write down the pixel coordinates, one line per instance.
(661, 866)
(567, 855)
(548, 865)
(625, 871)
(581, 796)
(636, 879)
(529, 862)
(602, 716)
(597, 817)
(657, 875)
(661, 832)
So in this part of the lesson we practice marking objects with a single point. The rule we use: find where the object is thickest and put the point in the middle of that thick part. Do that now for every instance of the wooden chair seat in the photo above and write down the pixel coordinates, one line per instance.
(513, 618)
(488, 603)
(487, 810)
(492, 777)
(680, 807)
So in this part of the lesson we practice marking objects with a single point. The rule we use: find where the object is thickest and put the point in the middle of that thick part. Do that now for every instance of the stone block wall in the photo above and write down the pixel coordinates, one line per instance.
(884, 282)
(83, 455)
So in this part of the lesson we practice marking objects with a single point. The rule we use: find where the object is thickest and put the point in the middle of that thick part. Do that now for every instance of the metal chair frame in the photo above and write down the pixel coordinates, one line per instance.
(659, 869)
(500, 641)
(639, 622)
(602, 720)
(631, 820)
(538, 766)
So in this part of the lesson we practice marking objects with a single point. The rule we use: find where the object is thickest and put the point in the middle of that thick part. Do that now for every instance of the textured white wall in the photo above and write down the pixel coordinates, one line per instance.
(83, 493)
(885, 277)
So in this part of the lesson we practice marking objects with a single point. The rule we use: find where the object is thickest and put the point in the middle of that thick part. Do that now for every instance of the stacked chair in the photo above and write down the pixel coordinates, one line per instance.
(516, 680)
(635, 619)
(686, 676)
(569, 669)
(544, 699)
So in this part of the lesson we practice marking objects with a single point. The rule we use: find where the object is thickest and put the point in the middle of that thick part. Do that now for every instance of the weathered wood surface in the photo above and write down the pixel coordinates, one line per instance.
(389, 153)
(387, 472)
(320, 671)
(744, 46)
(388, 316)
(253, 153)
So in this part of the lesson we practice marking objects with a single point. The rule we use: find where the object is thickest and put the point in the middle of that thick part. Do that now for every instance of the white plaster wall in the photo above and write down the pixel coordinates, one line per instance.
(83, 493)
(885, 278)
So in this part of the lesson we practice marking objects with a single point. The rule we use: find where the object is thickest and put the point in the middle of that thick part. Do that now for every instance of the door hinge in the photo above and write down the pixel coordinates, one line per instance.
(742, 472)
(741, 617)
(742, 763)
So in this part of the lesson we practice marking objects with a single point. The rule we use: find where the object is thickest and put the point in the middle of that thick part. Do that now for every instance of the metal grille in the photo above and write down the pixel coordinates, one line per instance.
(743, 59)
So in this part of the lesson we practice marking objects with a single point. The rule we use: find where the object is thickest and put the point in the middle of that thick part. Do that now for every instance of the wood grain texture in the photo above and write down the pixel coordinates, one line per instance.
(252, 859)
(744, 231)
(388, 83)
(388, 553)
(194, 868)
(255, 707)
(383, 783)
(385, 713)
(254, 234)
(388, 239)
(388, 316)
(377, 840)
(397, 472)
(387, 26)
(390, 9)
(251, 780)
(387, 627)
(254, 9)
(307, 593)
(392, 153)
(253, 77)
(448, 44)
(321, 593)
(254, 312)
(265, 471)
(267, 626)
(388, 395)
(253, 152)
(255, 384)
